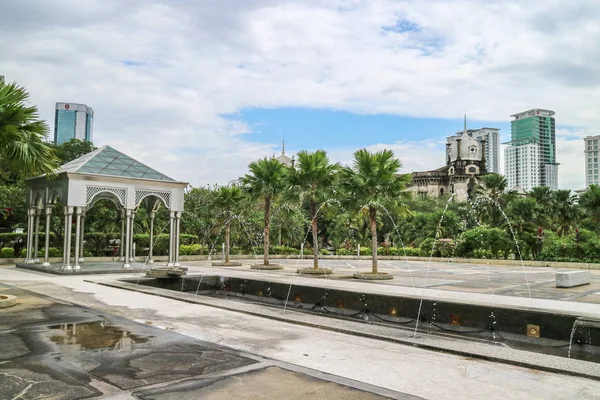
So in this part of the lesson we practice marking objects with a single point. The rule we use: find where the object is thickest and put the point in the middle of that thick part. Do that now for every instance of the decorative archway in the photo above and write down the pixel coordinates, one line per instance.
(108, 174)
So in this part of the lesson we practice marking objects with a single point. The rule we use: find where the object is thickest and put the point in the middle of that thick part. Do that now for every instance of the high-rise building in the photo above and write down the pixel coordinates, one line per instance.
(591, 160)
(531, 154)
(491, 139)
(73, 121)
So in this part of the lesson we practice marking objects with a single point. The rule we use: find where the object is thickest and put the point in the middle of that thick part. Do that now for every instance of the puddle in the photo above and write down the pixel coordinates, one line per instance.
(94, 336)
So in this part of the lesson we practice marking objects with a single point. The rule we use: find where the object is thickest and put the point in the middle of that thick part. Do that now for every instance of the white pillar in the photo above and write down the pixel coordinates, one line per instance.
(151, 247)
(131, 253)
(126, 240)
(122, 243)
(67, 240)
(29, 249)
(171, 262)
(177, 228)
(36, 241)
(81, 258)
(47, 238)
(77, 239)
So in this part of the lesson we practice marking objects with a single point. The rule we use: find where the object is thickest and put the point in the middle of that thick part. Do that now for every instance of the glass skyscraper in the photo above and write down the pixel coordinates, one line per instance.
(73, 121)
(531, 153)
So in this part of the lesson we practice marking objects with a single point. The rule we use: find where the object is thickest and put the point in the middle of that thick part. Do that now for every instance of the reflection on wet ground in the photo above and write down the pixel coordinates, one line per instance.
(95, 336)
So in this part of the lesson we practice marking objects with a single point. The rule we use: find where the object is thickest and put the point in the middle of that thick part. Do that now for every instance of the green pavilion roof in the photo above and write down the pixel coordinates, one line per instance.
(110, 162)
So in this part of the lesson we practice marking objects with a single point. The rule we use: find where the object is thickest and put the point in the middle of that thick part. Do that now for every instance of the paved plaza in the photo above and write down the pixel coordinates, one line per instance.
(210, 351)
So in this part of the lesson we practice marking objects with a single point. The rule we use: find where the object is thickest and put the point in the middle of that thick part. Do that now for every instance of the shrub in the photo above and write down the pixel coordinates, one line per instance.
(344, 252)
(407, 251)
(426, 248)
(284, 250)
(324, 252)
(7, 252)
(365, 251)
(191, 249)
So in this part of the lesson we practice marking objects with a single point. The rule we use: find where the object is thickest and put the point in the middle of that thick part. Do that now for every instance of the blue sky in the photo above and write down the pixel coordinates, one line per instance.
(306, 128)
(199, 89)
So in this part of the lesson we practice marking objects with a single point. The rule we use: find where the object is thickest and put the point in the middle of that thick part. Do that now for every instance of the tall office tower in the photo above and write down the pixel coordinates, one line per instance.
(591, 160)
(491, 138)
(531, 154)
(73, 121)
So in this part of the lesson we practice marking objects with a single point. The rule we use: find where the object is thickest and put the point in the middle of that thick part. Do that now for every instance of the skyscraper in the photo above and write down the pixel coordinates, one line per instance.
(531, 153)
(73, 121)
(491, 138)
(591, 160)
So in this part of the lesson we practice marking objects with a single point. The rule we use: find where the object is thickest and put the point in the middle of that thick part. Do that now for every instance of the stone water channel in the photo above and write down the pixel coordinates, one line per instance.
(519, 328)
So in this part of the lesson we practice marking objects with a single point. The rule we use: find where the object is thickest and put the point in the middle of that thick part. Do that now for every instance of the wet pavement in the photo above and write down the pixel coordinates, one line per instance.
(57, 350)
(346, 354)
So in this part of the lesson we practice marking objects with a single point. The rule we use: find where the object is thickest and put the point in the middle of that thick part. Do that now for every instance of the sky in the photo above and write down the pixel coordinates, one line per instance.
(199, 89)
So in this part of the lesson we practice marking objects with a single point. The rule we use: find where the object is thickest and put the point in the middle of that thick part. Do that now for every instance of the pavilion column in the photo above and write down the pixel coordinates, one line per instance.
(36, 242)
(30, 224)
(177, 228)
(67, 239)
(131, 257)
(171, 262)
(151, 247)
(77, 239)
(47, 238)
(126, 240)
(122, 243)
(81, 258)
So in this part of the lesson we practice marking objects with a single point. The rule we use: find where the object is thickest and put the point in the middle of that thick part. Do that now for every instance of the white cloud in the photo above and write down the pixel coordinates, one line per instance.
(160, 74)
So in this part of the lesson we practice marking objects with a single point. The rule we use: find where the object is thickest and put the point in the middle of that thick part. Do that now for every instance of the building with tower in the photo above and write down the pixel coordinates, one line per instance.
(73, 121)
(465, 162)
(531, 154)
(491, 138)
(283, 158)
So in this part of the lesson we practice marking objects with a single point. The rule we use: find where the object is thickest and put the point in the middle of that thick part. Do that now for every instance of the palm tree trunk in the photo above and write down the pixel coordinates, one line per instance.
(267, 230)
(313, 212)
(373, 218)
(227, 233)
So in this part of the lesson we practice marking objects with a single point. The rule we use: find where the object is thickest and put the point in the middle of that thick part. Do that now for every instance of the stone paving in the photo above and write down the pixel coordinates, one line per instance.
(472, 278)
(361, 363)
(57, 350)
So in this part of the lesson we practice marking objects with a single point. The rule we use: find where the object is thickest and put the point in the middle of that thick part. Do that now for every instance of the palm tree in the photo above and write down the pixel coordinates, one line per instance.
(228, 198)
(491, 194)
(372, 182)
(590, 202)
(313, 180)
(22, 150)
(543, 197)
(523, 215)
(565, 211)
(266, 181)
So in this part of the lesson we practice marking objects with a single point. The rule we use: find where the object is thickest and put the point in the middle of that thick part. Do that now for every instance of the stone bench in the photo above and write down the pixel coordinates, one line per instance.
(567, 279)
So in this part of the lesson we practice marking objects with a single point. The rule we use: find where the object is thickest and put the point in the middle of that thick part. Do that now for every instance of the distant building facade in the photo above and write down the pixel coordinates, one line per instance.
(491, 139)
(531, 154)
(591, 160)
(73, 121)
(465, 162)
(283, 158)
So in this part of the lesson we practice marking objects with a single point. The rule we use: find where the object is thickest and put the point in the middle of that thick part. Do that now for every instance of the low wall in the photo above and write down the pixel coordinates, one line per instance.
(491, 262)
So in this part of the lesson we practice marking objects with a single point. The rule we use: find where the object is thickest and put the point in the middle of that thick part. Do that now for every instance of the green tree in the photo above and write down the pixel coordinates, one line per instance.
(72, 149)
(22, 149)
(491, 195)
(313, 180)
(266, 181)
(590, 202)
(565, 211)
(228, 199)
(373, 182)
